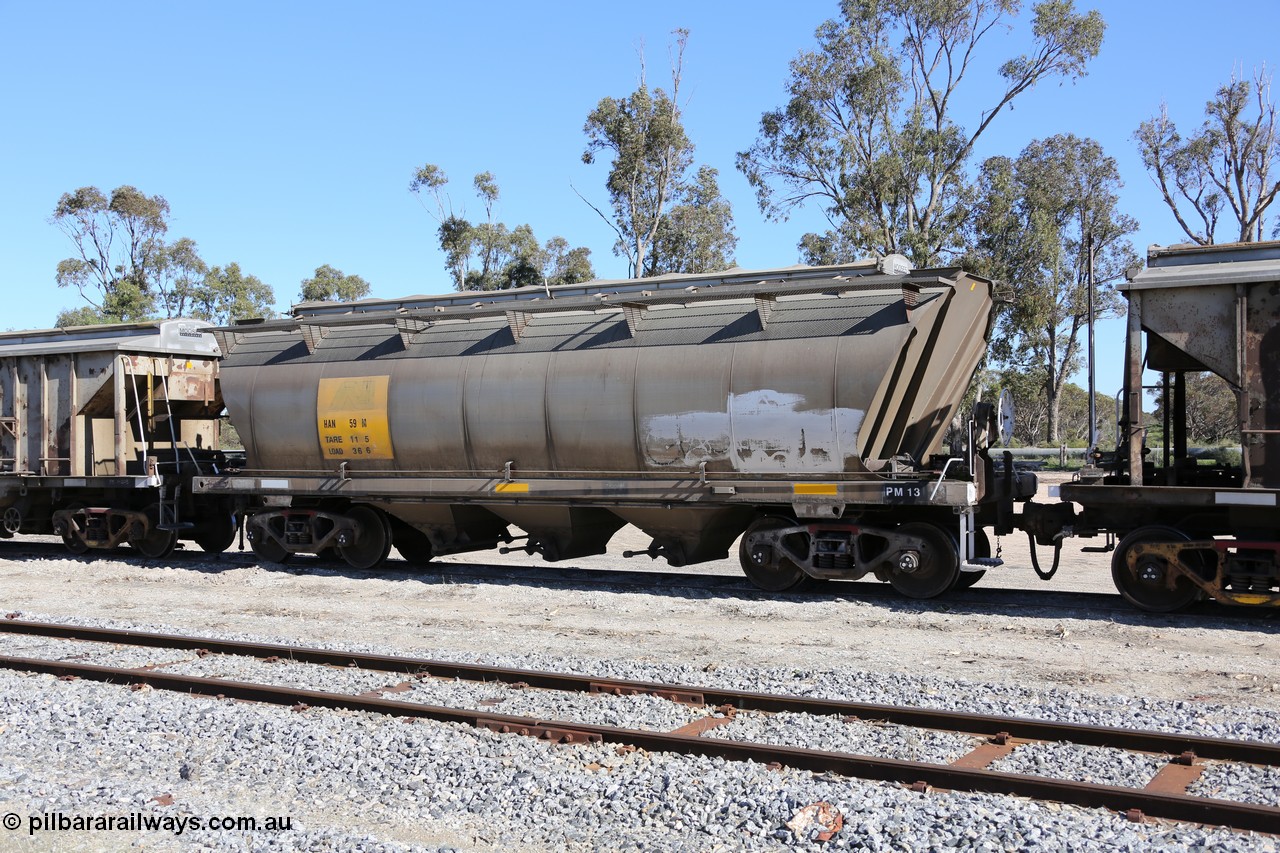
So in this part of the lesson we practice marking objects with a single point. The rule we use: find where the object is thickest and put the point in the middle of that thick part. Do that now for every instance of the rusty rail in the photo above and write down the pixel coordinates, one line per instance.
(1169, 806)
(1253, 752)
(1157, 800)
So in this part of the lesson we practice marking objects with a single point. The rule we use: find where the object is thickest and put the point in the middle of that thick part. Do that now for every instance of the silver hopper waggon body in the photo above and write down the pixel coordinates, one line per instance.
(801, 405)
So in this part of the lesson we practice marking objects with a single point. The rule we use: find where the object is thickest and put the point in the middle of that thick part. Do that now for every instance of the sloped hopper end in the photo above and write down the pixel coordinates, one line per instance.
(922, 391)
(1217, 308)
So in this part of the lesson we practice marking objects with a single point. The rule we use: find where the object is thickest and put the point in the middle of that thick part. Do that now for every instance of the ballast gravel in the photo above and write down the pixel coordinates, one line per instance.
(1260, 785)
(1098, 765)
(17, 645)
(348, 781)
(834, 734)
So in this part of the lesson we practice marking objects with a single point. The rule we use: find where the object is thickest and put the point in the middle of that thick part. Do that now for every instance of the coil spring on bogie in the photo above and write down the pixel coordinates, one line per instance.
(833, 561)
(297, 532)
(95, 529)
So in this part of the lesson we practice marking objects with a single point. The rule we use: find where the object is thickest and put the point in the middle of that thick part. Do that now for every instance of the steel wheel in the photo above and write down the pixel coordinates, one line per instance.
(156, 543)
(217, 533)
(1146, 582)
(935, 568)
(373, 538)
(414, 546)
(762, 560)
(266, 548)
(981, 548)
(74, 541)
(270, 550)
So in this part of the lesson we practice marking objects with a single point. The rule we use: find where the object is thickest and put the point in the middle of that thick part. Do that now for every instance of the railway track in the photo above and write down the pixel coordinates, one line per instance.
(573, 577)
(1165, 795)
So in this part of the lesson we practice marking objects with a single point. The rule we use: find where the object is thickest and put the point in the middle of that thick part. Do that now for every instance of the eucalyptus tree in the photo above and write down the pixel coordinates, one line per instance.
(180, 274)
(126, 271)
(119, 249)
(1212, 409)
(664, 219)
(872, 131)
(697, 233)
(1038, 223)
(489, 255)
(227, 294)
(333, 285)
(1221, 179)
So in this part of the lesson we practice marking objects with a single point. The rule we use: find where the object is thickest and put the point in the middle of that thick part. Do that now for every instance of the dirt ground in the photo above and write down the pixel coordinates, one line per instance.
(1107, 649)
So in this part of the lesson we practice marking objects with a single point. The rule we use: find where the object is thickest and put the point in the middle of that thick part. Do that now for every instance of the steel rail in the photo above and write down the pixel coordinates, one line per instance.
(1169, 806)
(1252, 752)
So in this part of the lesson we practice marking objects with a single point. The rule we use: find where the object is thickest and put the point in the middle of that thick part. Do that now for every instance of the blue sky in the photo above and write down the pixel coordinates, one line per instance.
(284, 135)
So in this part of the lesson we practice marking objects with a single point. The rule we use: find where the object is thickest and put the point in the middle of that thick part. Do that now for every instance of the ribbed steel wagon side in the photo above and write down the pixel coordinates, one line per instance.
(102, 429)
(802, 406)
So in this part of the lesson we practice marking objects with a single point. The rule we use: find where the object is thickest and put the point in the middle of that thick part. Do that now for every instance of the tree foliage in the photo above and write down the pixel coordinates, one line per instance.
(1213, 411)
(1036, 221)
(119, 243)
(697, 233)
(489, 255)
(226, 295)
(664, 219)
(1230, 166)
(332, 285)
(180, 276)
(1031, 407)
(870, 132)
(126, 271)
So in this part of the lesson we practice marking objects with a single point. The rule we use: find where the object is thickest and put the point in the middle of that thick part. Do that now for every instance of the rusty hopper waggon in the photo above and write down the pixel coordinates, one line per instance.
(102, 429)
(804, 406)
(1186, 529)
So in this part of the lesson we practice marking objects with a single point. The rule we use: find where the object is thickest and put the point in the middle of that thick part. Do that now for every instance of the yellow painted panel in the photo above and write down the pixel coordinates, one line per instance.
(511, 487)
(814, 488)
(1246, 598)
(351, 418)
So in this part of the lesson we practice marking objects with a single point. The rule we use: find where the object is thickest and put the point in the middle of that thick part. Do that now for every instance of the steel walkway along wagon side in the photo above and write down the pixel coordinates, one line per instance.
(803, 407)
(102, 429)
(1188, 529)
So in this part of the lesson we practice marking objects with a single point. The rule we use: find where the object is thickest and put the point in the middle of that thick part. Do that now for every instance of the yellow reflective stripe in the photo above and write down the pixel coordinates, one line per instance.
(511, 487)
(814, 488)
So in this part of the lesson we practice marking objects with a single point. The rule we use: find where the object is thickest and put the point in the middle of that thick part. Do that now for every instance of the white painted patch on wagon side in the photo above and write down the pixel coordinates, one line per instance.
(758, 432)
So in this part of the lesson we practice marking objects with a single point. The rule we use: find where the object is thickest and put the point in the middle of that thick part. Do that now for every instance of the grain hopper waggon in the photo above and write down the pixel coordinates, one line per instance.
(804, 406)
(800, 409)
(102, 429)
(1180, 528)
